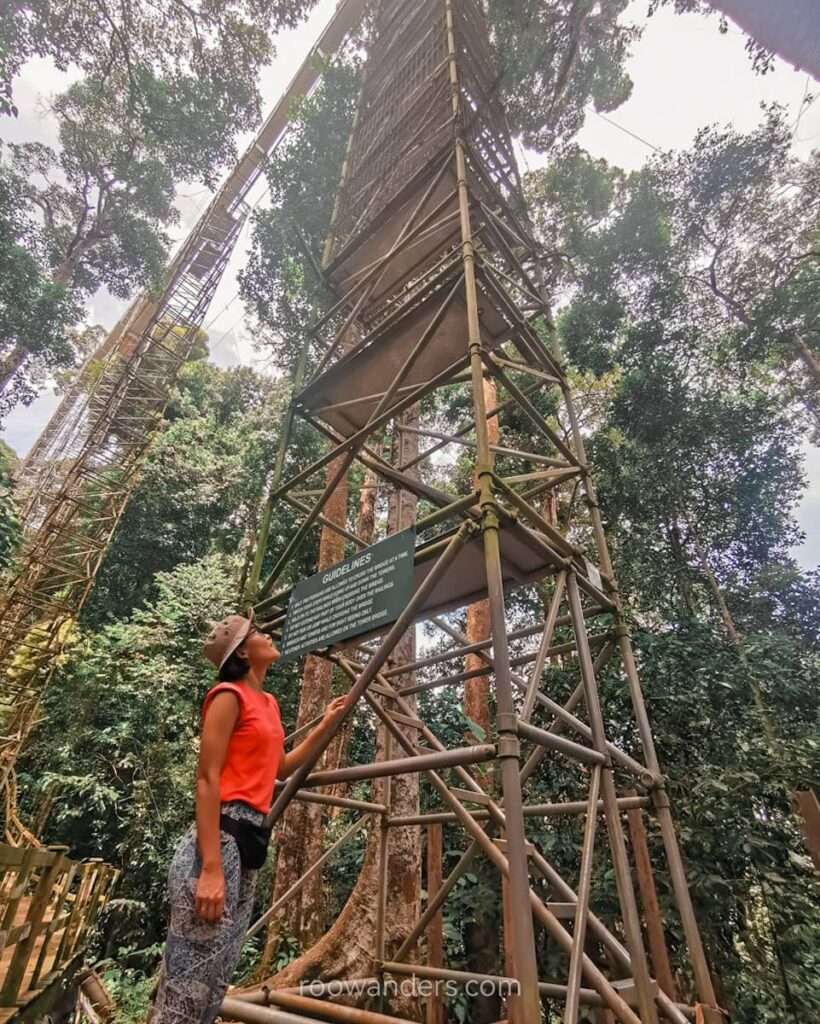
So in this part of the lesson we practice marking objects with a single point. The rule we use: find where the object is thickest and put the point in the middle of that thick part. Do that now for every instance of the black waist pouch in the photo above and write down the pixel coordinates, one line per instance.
(252, 840)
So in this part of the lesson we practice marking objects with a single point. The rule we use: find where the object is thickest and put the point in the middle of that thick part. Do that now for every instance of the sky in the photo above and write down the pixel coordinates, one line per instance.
(686, 75)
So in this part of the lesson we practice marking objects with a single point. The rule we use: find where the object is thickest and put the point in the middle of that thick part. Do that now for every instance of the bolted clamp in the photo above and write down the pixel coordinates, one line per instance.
(490, 519)
(507, 721)
(471, 528)
(508, 746)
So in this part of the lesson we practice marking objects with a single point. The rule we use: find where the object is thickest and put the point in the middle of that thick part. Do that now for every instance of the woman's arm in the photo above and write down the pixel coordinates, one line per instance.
(220, 720)
(306, 750)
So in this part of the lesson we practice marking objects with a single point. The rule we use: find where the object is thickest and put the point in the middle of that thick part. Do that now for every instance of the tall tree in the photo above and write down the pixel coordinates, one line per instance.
(182, 67)
(697, 449)
(745, 217)
(35, 311)
(719, 241)
(282, 284)
(103, 201)
(557, 58)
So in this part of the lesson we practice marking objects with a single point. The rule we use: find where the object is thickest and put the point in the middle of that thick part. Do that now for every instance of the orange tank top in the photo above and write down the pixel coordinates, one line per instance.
(255, 749)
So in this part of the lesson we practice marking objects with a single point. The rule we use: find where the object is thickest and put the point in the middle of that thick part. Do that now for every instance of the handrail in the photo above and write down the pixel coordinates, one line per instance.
(49, 905)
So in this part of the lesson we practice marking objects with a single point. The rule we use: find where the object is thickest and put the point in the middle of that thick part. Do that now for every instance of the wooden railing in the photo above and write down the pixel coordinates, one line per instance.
(49, 905)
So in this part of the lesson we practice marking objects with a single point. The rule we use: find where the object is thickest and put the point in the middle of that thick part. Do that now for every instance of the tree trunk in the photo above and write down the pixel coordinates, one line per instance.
(809, 360)
(477, 690)
(337, 752)
(481, 934)
(366, 522)
(735, 640)
(347, 949)
(10, 364)
(793, 33)
(682, 562)
(300, 836)
(64, 274)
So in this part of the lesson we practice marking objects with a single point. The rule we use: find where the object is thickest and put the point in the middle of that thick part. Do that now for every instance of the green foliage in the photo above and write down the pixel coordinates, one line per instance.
(104, 197)
(203, 481)
(750, 877)
(555, 58)
(698, 465)
(11, 530)
(34, 311)
(123, 719)
(736, 483)
(130, 990)
(712, 249)
(695, 458)
(92, 214)
(683, 294)
(118, 744)
(118, 747)
(185, 71)
(281, 284)
(684, 286)
(168, 89)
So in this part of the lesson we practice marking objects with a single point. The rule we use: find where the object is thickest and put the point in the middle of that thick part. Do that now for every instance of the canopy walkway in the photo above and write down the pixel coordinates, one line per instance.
(49, 905)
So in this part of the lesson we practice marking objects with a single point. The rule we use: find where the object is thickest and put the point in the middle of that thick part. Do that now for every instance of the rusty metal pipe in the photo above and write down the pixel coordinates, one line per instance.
(553, 810)
(402, 765)
(285, 1001)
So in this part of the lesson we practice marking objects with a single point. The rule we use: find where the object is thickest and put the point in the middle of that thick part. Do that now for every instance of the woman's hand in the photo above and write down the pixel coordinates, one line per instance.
(312, 745)
(210, 894)
(334, 711)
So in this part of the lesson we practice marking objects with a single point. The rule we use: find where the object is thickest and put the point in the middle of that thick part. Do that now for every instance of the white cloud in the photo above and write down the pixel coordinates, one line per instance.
(687, 75)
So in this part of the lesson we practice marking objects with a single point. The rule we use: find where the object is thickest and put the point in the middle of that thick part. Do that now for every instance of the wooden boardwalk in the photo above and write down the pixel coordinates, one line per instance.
(49, 905)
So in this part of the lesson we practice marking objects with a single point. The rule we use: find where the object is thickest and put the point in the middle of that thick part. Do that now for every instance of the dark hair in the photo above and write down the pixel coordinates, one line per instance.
(234, 669)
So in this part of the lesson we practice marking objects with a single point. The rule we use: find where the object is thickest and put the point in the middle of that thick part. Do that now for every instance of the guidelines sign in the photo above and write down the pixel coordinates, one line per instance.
(360, 594)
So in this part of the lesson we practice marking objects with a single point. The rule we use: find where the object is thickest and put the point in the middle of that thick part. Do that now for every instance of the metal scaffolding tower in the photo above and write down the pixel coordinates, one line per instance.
(436, 274)
(81, 472)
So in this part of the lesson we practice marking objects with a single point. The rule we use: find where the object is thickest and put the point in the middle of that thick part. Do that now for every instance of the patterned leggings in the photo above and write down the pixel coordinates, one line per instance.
(201, 957)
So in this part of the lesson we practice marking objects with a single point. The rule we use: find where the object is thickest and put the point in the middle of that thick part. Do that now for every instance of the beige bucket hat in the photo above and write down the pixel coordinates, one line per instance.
(226, 636)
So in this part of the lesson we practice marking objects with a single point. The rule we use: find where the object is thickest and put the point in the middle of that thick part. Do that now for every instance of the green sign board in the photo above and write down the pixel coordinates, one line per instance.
(353, 597)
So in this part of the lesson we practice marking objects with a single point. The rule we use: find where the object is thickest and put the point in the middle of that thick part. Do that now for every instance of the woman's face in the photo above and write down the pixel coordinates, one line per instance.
(259, 649)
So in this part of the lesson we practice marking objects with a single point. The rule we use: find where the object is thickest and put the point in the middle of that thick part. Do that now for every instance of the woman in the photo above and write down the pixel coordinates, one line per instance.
(213, 872)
